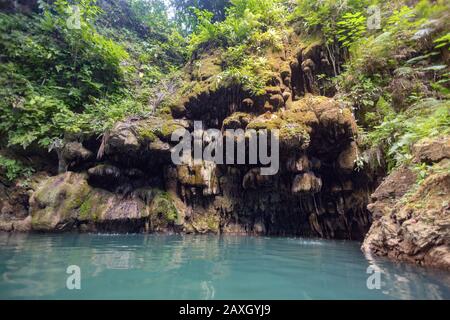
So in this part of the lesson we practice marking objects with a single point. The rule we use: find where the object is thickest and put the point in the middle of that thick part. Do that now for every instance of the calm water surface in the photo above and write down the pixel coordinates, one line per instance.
(33, 266)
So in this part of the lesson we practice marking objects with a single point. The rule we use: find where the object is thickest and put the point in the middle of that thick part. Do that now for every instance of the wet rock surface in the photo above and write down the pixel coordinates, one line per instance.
(316, 191)
(67, 202)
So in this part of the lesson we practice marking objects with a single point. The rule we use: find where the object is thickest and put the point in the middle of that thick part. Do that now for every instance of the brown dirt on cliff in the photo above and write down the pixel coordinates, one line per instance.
(411, 220)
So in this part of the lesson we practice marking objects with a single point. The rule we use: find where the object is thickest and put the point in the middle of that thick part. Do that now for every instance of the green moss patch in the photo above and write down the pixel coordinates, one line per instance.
(162, 209)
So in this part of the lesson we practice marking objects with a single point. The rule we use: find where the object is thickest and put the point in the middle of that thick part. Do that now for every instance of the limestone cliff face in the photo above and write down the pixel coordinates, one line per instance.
(126, 181)
(315, 193)
(129, 183)
(412, 221)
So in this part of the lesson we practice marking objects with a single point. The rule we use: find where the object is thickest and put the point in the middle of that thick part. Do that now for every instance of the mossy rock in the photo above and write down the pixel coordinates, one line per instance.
(207, 222)
(191, 175)
(193, 89)
(276, 101)
(206, 67)
(177, 110)
(57, 200)
(295, 124)
(304, 118)
(291, 134)
(156, 128)
(167, 129)
(311, 48)
(267, 121)
(238, 120)
(294, 135)
(60, 203)
(148, 133)
(273, 90)
(163, 211)
(93, 206)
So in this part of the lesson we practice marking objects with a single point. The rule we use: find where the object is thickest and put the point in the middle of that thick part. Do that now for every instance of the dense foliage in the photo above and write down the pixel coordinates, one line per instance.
(390, 62)
(56, 78)
(50, 72)
(184, 12)
(397, 78)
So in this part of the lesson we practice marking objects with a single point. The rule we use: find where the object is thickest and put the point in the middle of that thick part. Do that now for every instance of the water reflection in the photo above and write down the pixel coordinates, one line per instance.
(402, 280)
(204, 267)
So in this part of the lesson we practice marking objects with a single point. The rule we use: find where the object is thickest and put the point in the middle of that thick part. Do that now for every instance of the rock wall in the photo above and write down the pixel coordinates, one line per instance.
(127, 182)
(411, 220)
(316, 192)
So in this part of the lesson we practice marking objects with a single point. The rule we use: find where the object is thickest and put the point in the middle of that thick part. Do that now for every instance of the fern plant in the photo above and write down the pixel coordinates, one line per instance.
(14, 169)
(351, 28)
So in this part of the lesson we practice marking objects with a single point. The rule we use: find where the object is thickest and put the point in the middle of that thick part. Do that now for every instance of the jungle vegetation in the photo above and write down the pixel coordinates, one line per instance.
(126, 58)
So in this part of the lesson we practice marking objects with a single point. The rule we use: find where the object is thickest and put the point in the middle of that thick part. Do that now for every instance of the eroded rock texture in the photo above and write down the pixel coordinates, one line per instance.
(114, 185)
(67, 202)
(315, 193)
(411, 221)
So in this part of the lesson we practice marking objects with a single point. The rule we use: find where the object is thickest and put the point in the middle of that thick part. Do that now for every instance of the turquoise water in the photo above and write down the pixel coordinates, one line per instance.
(34, 266)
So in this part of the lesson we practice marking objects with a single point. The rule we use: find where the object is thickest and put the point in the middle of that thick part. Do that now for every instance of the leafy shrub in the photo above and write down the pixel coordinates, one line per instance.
(246, 21)
(54, 79)
(102, 114)
(351, 27)
(443, 41)
(13, 169)
(397, 86)
(251, 73)
(328, 16)
(34, 118)
(398, 132)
